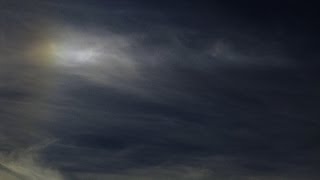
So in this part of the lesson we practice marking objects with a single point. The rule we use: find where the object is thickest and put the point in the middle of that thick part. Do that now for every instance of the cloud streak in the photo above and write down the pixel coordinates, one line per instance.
(26, 165)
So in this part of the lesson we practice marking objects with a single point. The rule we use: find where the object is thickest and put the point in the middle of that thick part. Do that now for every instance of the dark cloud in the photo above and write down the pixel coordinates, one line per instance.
(145, 90)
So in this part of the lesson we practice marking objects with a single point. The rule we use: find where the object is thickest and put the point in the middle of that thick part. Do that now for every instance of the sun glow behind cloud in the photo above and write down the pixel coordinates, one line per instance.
(63, 48)
(94, 54)
(74, 55)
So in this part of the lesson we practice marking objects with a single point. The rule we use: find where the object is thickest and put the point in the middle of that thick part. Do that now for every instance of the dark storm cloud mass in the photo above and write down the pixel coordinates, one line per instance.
(169, 90)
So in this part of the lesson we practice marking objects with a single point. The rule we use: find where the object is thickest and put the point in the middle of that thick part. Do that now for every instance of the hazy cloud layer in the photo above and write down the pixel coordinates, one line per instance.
(169, 90)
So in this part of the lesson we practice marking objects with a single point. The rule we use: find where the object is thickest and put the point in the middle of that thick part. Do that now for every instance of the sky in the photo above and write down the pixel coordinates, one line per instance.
(159, 90)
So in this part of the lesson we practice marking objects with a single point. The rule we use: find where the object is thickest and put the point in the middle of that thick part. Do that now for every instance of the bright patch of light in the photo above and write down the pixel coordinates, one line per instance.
(74, 55)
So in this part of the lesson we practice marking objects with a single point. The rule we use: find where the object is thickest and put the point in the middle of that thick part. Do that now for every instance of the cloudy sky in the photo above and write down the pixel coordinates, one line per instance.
(158, 90)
